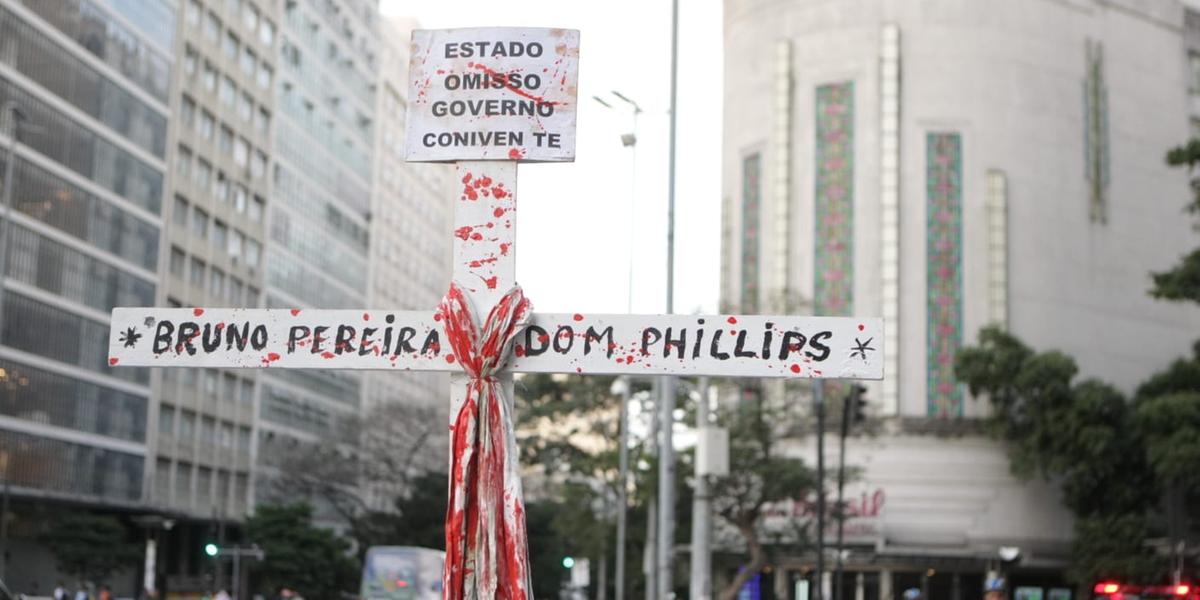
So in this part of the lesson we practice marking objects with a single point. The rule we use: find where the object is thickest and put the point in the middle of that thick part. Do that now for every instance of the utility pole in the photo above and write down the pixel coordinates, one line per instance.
(701, 575)
(621, 387)
(841, 483)
(819, 405)
(666, 458)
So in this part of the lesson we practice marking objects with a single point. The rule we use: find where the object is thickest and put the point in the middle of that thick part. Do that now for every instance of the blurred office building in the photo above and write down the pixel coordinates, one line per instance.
(208, 153)
(85, 97)
(949, 165)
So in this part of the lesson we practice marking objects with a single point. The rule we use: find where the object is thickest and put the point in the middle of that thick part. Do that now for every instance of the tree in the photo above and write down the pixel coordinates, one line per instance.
(1082, 434)
(315, 562)
(390, 450)
(758, 476)
(90, 547)
(1182, 282)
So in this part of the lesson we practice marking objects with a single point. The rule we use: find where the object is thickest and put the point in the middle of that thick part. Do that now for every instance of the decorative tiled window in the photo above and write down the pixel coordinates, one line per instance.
(1095, 132)
(833, 289)
(751, 207)
(943, 214)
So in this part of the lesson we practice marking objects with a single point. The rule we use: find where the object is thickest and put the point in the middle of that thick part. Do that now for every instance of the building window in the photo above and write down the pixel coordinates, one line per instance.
(197, 273)
(212, 27)
(206, 124)
(228, 92)
(751, 201)
(203, 175)
(225, 143)
(220, 234)
(266, 32)
(230, 46)
(256, 209)
(1095, 132)
(183, 163)
(199, 223)
(262, 120)
(241, 152)
(210, 77)
(179, 214)
(166, 420)
(191, 13)
(245, 108)
(222, 191)
(943, 250)
(1194, 73)
(239, 198)
(190, 61)
(265, 73)
(834, 253)
(177, 260)
(187, 112)
(248, 62)
(249, 17)
(258, 164)
(217, 287)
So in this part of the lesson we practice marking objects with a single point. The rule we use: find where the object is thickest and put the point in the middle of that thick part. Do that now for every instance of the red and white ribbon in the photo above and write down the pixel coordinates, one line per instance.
(487, 556)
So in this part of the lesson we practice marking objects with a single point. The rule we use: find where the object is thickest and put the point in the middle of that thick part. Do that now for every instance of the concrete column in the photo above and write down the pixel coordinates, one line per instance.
(885, 585)
(859, 592)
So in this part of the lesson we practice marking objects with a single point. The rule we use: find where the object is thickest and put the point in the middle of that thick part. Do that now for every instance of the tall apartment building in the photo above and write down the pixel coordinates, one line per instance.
(410, 248)
(320, 209)
(947, 165)
(92, 79)
(213, 255)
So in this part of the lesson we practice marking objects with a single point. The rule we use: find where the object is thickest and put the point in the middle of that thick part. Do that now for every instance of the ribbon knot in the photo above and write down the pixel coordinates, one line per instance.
(486, 549)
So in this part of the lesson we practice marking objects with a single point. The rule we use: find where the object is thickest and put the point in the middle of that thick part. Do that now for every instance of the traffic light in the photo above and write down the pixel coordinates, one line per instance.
(210, 549)
(857, 403)
(568, 562)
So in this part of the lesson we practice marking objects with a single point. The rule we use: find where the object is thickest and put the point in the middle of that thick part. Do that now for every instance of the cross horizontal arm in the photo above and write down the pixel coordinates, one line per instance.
(713, 345)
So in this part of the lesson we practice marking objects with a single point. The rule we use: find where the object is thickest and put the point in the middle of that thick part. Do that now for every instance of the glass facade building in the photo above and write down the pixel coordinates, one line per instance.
(90, 79)
(318, 247)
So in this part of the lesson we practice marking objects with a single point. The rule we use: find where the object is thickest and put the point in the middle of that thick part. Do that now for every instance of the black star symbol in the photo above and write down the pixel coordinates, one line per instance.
(130, 337)
(862, 348)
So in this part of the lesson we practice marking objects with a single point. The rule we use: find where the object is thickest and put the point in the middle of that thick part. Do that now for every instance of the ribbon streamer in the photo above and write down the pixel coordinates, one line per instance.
(487, 556)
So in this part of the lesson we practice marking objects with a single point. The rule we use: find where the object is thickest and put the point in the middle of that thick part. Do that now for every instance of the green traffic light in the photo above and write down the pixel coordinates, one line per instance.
(568, 562)
(210, 549)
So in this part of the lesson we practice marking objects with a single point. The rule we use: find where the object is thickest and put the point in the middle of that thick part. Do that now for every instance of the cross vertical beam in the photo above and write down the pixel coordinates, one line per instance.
(485, 233)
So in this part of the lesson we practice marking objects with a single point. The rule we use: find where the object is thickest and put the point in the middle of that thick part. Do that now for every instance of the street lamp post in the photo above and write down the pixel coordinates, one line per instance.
(621, 386)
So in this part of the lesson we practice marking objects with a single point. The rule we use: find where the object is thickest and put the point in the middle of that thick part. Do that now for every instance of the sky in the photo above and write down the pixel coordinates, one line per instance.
(582, 222)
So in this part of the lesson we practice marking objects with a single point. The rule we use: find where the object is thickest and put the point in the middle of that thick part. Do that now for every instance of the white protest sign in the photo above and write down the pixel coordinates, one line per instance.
(492, 93)
(720, 346)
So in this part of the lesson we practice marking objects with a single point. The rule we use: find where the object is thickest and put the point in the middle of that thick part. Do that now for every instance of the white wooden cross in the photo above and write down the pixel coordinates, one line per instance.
(491, 98)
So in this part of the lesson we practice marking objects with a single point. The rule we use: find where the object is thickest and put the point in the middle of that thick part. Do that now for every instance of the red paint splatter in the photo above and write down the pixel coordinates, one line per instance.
(519, 350)
(327, 355)
(499, 191)
(504, 249)
(861, 327)
(295, 311)
(366, 317)
(512, 88)
(470, 193)
(515, 154)
(578, 317)
(463, 232)
(620, 360)
(485, 181)
(437, 316)
(578, 370)
(732, 320)
(272, 357)
(499, 212)
(466, 178)
(477, 236)
(113, 362)
(491, 282)
(544, 338)
(795, 368)
(450, 358)
(197, 311)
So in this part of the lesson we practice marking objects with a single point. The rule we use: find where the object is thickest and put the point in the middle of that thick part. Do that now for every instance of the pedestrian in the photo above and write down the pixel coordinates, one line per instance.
(993, 588)
(912, 594)
(60, 591)
(81, 592)
(105, 593)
